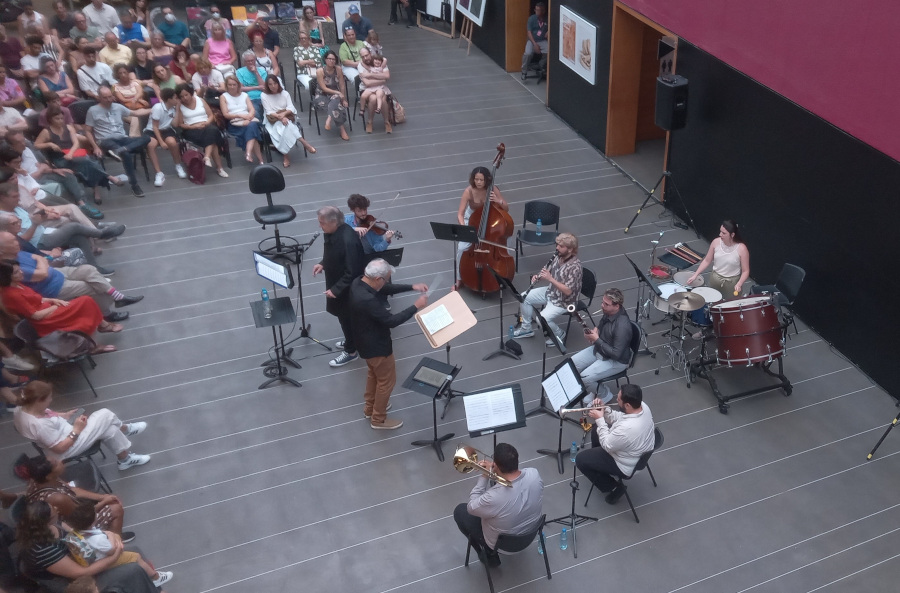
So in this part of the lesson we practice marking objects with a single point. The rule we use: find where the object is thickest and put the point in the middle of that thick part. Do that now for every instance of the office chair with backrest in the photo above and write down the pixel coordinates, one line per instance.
(643, 463)
(634, 345)
(785, 291)
(268, 179)
(588, 288)
(55, 348)
(513, 544)
(548, 214)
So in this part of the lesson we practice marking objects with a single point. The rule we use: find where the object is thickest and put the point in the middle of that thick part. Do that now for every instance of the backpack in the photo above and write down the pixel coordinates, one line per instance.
(193, 163)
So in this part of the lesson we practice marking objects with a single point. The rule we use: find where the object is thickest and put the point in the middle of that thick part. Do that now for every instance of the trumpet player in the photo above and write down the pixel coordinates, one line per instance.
(609, 351)
(618, 440)
(497, 510)
(563, 273)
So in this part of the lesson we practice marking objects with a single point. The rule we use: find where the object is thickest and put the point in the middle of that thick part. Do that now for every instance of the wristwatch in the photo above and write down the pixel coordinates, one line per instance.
(73, 435)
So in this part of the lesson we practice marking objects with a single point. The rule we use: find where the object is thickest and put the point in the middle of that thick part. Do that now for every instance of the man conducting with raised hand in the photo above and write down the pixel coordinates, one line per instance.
(371, 324)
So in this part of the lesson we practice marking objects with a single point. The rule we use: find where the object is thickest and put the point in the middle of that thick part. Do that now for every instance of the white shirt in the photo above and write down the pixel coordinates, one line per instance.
(626, 436)
(30, 62)
(164, 116)
(29, 161)
(9, 117)
(90, 79)
(104, 19)
(46, 432)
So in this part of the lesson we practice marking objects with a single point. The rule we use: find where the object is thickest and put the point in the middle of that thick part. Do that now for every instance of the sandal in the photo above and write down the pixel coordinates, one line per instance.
(101, 349)
(106, 327)
(344, 135)
(308, 147)
(248, 157)
(286, 163)
(378, 110)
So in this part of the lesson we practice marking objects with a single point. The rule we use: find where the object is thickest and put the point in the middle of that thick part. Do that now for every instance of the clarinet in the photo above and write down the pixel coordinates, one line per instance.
(574, 311)
(547, 265)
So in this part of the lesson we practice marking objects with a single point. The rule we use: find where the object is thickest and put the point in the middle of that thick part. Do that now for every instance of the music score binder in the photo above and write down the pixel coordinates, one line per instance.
(563, 385)
(493, 410)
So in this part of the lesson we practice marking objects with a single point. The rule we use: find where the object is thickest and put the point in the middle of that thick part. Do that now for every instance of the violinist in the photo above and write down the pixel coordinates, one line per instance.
(473, 197)
(372, 241)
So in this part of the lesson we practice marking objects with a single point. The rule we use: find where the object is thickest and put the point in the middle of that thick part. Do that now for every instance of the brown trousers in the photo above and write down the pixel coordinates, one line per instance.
(379, 385)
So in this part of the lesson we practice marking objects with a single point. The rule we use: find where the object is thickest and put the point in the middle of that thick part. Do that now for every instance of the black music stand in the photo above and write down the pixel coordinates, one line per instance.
(391, 256)
(434, 381)
(503, 348)
(298, 252)
(457, 233)
(642, 279)
(481, 421)
(573, 519)
(562, 399)
(282, 314)
(541, 408)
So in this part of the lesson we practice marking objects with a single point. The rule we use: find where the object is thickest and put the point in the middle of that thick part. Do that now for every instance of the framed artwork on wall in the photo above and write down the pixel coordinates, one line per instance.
(578, 44)
(473, 9)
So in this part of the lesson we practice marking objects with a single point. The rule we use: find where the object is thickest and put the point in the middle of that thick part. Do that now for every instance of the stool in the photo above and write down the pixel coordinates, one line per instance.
(268, 179)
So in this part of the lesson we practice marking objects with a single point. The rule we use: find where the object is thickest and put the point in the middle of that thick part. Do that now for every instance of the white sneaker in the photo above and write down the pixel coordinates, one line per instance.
(135, 428)
(164, 577)
(222, 173)
(17, 363)
(120, 180)
(133, 460)
(160, 179)
(207, 162)
(182, 174)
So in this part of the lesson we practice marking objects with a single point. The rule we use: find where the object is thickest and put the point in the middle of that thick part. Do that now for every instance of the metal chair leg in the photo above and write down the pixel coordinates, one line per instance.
(84, 374)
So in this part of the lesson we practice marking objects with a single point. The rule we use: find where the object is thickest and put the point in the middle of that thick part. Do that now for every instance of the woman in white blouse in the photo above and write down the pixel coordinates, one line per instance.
(198, 125)
(281, 116)
(208, 82)
(241, 116)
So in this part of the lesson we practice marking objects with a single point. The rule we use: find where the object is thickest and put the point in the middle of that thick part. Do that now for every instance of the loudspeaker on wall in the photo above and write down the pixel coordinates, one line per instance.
(671, 102)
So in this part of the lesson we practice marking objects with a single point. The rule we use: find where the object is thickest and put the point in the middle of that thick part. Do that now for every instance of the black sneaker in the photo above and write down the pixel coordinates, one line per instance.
(116, 316)
(127, 536)
(129, 300)
(105, 271)
(614, 496)
(137, 191)
(108, 232)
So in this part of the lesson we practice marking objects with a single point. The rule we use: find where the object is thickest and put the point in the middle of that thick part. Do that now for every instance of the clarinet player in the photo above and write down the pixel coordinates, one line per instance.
(563, 273)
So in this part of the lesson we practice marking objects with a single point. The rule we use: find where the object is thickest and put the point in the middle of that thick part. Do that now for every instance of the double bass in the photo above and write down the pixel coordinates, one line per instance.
(495, 226)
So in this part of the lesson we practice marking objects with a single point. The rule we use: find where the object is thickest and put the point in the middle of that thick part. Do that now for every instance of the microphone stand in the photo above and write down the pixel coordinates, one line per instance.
(299, 252)
(650, 196)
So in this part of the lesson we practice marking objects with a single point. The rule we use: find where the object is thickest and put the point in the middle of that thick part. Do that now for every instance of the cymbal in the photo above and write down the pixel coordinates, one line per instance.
(686, 301)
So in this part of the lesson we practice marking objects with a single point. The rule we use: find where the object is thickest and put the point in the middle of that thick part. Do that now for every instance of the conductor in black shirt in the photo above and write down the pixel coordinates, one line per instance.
(371, 324)
(342, 261)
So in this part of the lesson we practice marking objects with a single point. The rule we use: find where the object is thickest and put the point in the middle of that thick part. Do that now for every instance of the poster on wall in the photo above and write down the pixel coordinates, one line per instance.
(577, 44)
(473, 9)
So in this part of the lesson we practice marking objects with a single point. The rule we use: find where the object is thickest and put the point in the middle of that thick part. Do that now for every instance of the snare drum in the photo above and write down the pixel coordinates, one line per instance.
(748, 331)
(682, 278)
(711, 296)
(661, 302)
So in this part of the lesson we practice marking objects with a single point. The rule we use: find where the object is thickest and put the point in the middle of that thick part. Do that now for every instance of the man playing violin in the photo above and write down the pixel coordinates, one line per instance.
(363, 224)
(564, 275)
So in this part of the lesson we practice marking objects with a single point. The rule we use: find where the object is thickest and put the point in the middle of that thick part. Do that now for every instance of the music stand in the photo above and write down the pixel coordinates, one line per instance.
(502, 348)
(563, 387)
(299, 251)
(456, 233)
(573, 519)
(494, 410)
(433, 381)
(642, 280)
(282, 313)
(391, 256)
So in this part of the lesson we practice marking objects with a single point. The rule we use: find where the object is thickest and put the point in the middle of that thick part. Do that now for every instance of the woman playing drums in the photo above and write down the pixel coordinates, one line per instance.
(730, 261)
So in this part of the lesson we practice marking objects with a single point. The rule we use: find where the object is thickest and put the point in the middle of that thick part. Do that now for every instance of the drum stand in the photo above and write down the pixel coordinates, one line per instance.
(676, 355)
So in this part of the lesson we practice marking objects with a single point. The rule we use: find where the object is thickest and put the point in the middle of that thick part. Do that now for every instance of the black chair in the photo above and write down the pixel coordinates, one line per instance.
(298, 87)
(50, 357)
(634, 345)
(268, 179)
(313, 86)
(643, 463)
(514, 544)
(548, 214)
(97, 480)
(785, 291)
(538, 65)
(588, 288)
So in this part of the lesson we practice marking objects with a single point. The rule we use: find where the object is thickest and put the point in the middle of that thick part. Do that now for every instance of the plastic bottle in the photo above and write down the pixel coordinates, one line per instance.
(540, 547)
(512, 330)
(573, 451)
(540, 227)
(564, 539)
(267, 306)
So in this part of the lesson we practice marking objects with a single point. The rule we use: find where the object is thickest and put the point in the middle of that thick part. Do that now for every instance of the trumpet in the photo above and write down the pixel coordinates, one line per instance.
(565, 411)
(465, 460)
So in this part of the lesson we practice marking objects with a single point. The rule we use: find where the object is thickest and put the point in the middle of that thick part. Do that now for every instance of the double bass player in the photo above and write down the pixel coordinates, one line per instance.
(473, 198)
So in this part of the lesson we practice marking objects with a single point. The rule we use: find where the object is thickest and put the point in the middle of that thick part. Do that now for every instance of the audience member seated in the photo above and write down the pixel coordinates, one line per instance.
(61, 23)
(219, 50)
(100, 15)
(308, 59)
(163, 78)
(265, 59)
(281, 116)
(11, 121)
(271, 38)
(131, 33)
(30, 18)
(208, 81)
(217, 18)
(159, 51)
(93, 74)
(130, 93)
(64, 148)
(142, 71)
(374, 43)
(182, 64)
(198, 125)
(308, 24)
(83, 30)
(331, 94)
(51, 99)
(239, 112)
(49, 44)
(175, 32)
(76, 55)
(373, 74)
(11, 53)
(159, 130)
(349, 53)
(360, 24)
(140, 13)
(253, 82)
(114, 52)
(31, 60)
(105, 132)
(66, 282)
(54, 79)
(11, 94)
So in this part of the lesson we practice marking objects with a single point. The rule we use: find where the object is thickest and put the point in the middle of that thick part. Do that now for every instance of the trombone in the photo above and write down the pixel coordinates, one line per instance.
(465, 460)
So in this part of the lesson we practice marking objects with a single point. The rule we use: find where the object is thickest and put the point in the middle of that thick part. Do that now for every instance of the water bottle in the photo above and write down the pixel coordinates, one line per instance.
(540, 226)
(512, 330)
(564, 539)
(540, 547)
(267, 306)
(573, 451)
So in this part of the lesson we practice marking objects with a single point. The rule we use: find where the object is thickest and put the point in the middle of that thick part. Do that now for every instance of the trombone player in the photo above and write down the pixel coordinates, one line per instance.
(563, 273)
(496, 510)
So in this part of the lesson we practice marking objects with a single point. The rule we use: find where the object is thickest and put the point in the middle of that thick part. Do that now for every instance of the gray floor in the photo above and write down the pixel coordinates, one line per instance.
(290, 490)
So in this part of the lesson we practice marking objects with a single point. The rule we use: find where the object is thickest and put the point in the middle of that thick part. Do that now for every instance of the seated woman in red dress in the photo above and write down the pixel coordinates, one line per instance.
(48, 315)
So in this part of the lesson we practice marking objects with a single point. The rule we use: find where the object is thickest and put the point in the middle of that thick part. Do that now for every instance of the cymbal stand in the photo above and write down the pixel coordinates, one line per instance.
(676, 355)
(573, 519)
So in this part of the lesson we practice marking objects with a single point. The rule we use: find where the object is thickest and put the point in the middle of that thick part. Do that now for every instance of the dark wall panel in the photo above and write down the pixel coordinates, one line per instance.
(581, 105)
(804, 192)
(491, 36)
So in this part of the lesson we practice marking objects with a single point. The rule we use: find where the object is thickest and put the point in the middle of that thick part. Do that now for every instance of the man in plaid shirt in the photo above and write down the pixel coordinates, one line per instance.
(564, 276)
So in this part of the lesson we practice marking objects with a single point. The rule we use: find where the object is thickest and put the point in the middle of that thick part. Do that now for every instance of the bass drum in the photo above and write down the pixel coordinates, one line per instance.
(661, 302)
(747, 330)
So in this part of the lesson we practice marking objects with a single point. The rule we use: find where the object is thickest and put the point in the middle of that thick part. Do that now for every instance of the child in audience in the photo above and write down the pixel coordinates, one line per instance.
(372, 43)
(380, 90)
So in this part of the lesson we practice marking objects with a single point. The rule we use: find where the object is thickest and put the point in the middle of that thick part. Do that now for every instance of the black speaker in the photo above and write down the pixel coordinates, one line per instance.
(671, 102)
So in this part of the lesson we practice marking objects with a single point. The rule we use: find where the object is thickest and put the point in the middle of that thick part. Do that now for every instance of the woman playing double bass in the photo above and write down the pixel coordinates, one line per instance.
(473, 197)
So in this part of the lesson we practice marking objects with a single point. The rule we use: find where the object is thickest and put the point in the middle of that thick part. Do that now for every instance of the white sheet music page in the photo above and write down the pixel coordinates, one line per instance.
(555, 392)
(489, 409)
(569, 382)
(437, 319)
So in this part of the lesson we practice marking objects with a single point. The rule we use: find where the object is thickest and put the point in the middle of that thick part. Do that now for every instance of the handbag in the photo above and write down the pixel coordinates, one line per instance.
(399, 111)
(73, 257)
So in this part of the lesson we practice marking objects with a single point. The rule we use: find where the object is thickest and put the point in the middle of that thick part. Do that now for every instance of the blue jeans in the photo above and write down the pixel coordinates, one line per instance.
(594, 368)
(129, 146)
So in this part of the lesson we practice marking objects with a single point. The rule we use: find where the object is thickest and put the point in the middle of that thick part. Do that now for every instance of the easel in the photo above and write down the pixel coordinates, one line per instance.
(465, 32)
(438, 17)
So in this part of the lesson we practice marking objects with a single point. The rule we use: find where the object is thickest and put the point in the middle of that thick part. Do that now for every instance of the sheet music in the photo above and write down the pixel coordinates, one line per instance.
(490, 409)
(437, 319)
(561, 387)
(569, 381)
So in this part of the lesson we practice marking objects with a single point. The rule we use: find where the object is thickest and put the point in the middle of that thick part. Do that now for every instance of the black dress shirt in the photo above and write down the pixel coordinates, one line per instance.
(371, 322)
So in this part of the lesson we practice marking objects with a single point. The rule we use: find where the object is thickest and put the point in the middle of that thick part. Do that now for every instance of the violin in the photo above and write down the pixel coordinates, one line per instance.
(379, 227)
